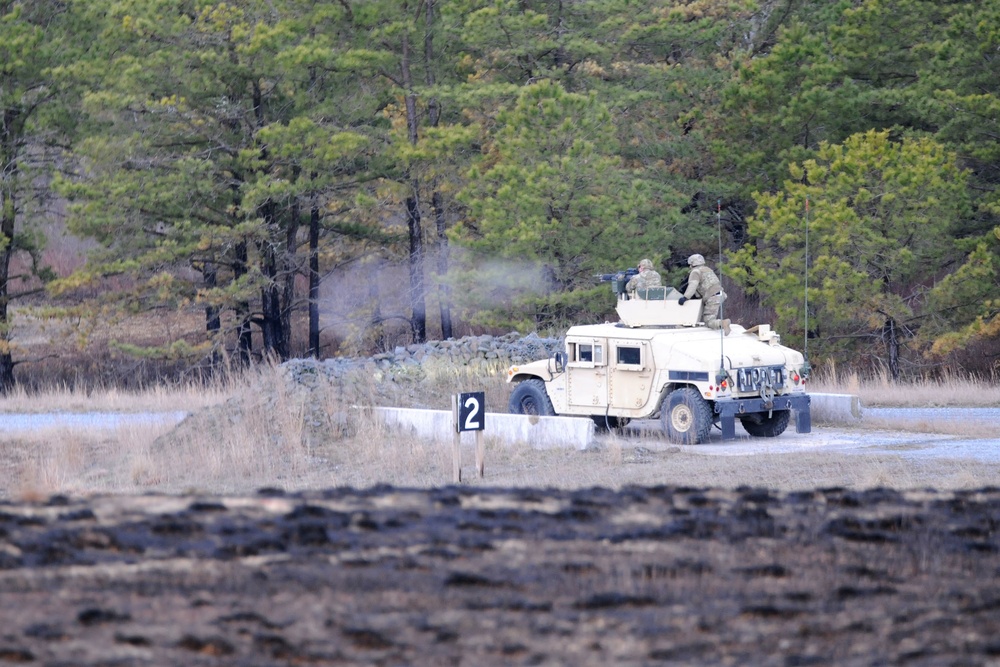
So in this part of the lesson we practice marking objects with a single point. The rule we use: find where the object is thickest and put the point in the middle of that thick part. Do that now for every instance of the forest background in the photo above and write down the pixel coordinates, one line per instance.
(186, 184)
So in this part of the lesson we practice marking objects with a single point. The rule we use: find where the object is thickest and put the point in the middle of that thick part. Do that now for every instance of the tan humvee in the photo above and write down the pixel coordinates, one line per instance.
(660, 362)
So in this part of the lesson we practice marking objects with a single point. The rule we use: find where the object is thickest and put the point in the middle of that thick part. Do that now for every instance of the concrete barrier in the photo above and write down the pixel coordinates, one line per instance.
(835, 408)
(570, 432)
(539, 432)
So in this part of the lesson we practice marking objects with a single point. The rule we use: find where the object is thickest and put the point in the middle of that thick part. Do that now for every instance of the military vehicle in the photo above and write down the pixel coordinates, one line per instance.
(659, 361)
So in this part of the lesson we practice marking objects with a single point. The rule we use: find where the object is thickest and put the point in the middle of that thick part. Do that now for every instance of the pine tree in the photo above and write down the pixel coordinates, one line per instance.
(881, 213)
(554, 200)
(37, 39)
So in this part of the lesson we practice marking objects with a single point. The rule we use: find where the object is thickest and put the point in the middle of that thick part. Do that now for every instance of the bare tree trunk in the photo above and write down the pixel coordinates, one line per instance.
(314, 281)
(8, 212)
(891, 336)
(6, 235)
(375, 298)
(418, 305)
(272, 332)
(433, 116)
(560, 54)
(213, 319)
(418, 321)
(244, 335)
(444, 294)
(433, 108)
(289, 270)
(270, 303)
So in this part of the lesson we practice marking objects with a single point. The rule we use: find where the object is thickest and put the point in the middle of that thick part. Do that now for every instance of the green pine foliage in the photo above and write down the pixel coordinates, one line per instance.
(879, 220)
(215, 152)
(36, 40)
(552, 194)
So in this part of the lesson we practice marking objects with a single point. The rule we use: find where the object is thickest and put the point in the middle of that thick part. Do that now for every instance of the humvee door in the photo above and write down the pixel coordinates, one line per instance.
(586, 372)
(631, 373)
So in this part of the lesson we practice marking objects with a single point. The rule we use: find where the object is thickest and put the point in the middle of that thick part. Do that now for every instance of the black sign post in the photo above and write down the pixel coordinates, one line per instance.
(469, 410)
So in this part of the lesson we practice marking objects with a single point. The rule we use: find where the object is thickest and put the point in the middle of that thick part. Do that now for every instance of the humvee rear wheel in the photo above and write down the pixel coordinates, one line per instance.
(759, 425)
(687, 417)
(529, 398)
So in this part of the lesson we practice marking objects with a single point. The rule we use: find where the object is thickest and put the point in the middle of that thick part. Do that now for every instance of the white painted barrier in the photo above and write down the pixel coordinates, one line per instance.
(835, 408)
(539, 432)
(570, 432)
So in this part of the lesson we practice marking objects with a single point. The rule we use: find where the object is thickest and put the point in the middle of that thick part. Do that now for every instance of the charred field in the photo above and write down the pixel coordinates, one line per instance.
(493, 576)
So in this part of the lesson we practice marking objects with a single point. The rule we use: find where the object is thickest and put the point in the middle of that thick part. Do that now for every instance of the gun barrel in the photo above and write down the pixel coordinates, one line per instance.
(624, 274)
(618, 279)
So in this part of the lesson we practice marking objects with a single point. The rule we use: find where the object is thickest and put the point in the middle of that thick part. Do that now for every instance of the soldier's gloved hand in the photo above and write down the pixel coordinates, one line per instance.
(681, 300)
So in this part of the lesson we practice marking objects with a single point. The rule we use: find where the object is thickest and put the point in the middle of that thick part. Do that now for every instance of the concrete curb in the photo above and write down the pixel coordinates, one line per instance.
(835, 408)
(564, 432)
(539, 432)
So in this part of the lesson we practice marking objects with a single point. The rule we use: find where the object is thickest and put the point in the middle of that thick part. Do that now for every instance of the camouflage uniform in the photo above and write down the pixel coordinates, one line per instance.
(646, 277)
(704, 284)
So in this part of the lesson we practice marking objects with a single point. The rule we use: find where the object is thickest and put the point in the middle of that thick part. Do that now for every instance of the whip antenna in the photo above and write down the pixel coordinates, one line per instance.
(805, 334)
(722, 314)
(718, 218)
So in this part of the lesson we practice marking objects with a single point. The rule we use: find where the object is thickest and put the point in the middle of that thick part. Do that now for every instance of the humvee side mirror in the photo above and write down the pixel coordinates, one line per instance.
(560, 359)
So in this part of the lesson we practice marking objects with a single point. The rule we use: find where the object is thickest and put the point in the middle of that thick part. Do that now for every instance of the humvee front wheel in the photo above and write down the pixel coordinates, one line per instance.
(759, 425)
(687, 417)
(529, 398)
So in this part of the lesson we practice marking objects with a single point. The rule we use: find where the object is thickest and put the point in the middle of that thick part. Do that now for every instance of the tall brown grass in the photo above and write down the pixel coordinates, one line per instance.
(186, 396)
(877, 389)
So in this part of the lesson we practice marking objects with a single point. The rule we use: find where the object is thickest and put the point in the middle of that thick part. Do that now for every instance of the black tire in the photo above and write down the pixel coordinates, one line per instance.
(759, 425)
(614, 424)
(529, 398)
(686, 416)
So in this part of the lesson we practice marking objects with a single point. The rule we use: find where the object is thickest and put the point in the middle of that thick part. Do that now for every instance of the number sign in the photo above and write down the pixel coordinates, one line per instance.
(471, 411)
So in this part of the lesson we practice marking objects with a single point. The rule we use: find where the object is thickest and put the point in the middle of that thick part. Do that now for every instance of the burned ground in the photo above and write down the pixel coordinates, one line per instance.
(480, 576)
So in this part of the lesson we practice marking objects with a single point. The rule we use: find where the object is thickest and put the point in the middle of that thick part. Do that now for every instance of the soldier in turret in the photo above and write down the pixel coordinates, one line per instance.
(704, 284)
(646, 278)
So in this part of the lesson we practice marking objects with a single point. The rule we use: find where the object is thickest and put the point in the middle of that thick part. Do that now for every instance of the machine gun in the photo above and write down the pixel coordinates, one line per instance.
(618, 280)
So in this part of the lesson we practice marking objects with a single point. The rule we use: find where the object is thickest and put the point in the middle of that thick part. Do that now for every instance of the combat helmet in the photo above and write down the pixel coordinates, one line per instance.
(645, 264)
(696, 260)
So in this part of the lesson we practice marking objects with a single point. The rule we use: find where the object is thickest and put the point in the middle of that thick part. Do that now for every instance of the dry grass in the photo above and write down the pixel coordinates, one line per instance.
(187, 397)
(878, 389)
(260, 432)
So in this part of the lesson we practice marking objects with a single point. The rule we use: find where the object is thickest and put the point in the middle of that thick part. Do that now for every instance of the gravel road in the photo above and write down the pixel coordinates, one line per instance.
(860, 439)
(13, 423)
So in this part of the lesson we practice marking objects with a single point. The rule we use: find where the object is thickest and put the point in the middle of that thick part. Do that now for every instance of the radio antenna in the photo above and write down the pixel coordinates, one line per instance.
(722, 334)
(805, 334)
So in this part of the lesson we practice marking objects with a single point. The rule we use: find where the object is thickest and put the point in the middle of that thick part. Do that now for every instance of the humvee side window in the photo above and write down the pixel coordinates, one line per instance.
(588, 353)
(629, 355)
